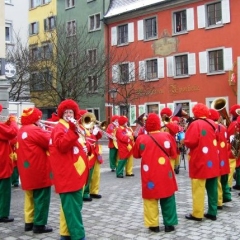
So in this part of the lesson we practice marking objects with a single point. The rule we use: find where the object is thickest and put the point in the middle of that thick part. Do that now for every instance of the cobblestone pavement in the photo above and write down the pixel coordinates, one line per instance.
(119, 214)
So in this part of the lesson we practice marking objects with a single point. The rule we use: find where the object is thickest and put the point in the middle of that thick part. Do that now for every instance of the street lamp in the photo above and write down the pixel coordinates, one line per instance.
(113, 95)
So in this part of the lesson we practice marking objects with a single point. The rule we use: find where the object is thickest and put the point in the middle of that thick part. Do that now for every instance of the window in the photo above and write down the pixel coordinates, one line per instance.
(95, 111)
(94, 22)
(92, 56)
(34, 53)
(73, 59)
(92, 84)
(71, 28)
(180, 21)
(70, 3)
(214, 14)
(35, 83)
(49, 23)
(46, 51)
(8, 1)
(153, 108)
(33, 28)
(215, 60)
(150, 28)
(8, 32)
(123, 34)
(124, 73)
(151, 69)
(46, 1)
(181, 65)
(35, 3)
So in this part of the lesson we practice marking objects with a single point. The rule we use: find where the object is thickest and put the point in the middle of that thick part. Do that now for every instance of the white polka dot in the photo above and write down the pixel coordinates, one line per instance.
(205, 149)
(225, 134)
(75, 150)
(167, 144)
(24, 135)
(145, 168)
(50, 141)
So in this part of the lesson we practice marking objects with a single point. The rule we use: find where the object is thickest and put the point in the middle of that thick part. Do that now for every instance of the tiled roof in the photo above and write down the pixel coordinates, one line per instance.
(118, 7)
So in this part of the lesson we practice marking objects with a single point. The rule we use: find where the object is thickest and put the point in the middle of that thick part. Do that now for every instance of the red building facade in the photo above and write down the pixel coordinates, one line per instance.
(172, 52)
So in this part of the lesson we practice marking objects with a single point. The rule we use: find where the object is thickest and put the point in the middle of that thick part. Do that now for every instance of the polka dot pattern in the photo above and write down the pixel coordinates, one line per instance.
(145, 168)
(161, 160)
(26, 164)
(75, 150)
(167, 144)
(142, 146)
(24, 135)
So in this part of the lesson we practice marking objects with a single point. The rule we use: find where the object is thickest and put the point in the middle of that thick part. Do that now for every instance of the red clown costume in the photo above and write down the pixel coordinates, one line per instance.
(224, 195)
(125, 142)
(158, 179)
(69, 163)
(8, 131)
(234, 161)
(34, 170)
(204, 167)
(112, 143)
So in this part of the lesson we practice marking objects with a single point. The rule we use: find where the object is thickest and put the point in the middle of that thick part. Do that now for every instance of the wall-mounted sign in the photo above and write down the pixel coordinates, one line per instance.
(175, 89)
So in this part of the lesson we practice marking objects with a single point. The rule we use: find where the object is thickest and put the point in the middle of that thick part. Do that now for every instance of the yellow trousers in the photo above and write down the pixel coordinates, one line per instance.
(129, 166)
(95, 181)
(232, 162)
(28, 206)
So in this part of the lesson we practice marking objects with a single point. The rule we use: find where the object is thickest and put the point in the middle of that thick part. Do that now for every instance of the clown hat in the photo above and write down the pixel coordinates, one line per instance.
(114, 118)
(122, 120)
(214, 114)
(172, 127)
(233, 110)
(153, 122)
(200, 110)
(1, 107)
(166, 111)
(67, 104)
(30, 116)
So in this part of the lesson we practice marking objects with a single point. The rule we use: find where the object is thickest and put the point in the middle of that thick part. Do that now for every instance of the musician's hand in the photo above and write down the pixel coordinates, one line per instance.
(95, 130)
(85, 149)
(181, 141)
(100, 159)
(12, 118)
(129, 134)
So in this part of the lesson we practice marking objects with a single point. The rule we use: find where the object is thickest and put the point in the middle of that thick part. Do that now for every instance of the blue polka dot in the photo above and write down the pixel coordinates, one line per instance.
(142, 146)
(222, 163)
(209, 163)
(150, 185)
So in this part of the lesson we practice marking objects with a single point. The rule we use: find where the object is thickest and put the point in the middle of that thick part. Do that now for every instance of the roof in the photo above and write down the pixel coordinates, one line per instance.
(118, 7)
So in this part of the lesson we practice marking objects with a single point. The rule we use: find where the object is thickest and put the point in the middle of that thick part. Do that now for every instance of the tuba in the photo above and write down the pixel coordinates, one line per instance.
(219, 105)
(88, 120)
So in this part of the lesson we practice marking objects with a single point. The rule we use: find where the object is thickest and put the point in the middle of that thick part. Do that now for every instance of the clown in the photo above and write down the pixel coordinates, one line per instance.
(8, 131)
(34, 170)
(158, 178)
(68, 158)
(204, 167)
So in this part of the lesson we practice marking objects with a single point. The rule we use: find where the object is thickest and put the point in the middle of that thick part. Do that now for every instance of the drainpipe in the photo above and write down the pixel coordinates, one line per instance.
(238, 80)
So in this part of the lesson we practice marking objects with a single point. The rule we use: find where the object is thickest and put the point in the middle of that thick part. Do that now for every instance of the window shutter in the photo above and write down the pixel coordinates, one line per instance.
(141, 109)
(225, 11)
(116, 110)
(201, 16)
(45, 24)
(141, 70)
(140, 30)
(133, 115)
(203, 61)
(131, 66)
(228, 60)
(115, 73)
(130, 32)
(192, 104)
(191, 63)
(50, 49)
(160, 62)
(190, 19)
(30, 29)
(114, 36)
(39, 53)
(170, 69)
(37, 27)
(171, 106)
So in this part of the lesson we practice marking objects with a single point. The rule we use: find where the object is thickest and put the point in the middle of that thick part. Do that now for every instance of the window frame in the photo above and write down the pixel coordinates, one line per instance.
(10, 28)
(94, 27)
(92, 58)
(152, 67)
(207, 14)
(153, 36)
(70, 5)
(32, 27)
(124, 72)
(215, 58)
(93, 83)
(124, 33)
(184, 65)
(182, 19)
(47, 23)
(72, 25)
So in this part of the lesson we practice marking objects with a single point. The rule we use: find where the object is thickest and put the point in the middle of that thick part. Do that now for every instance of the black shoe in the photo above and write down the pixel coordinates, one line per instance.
(6, 219)
(120, 176)
(236, 187)
(191, 217)
(16, 185)
(219, 207)
(113, 170)
(65, 238)
(95, 196)
(154, 229)
(42, 229)
(169, 228)
(227, 200)
(130, 175)
(28, 227)
(87, 199)
(239, 194)
(209, 216)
